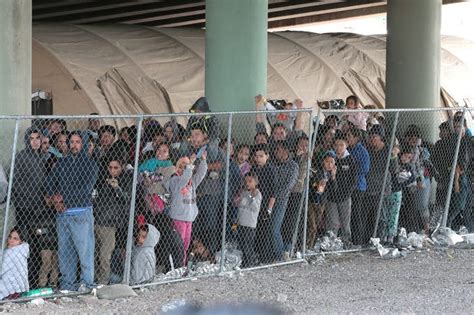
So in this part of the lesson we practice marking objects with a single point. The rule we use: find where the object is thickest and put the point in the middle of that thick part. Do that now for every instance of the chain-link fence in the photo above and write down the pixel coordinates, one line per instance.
(388, 173)
(150, 199)
(143, 199)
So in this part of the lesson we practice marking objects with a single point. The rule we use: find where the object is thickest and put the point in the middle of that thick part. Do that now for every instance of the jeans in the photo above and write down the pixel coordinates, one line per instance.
(277, 217)
(76, 241)
(105, 237)
(339, 218)
(247, 245)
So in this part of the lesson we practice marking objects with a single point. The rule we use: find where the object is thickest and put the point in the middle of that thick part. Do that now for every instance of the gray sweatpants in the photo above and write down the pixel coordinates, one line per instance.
(339, 217)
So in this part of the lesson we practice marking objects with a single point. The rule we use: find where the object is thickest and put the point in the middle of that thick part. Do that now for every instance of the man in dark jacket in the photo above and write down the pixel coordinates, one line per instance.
(28, 195)
(379, 153)
(286, 175)
(265, 171)
(69, 189)
(111, 208)
(209, 122)
(28, 182)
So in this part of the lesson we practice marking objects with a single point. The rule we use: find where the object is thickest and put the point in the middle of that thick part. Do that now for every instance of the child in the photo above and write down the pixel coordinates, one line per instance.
(339, 205)
(182, 187)
(243, 153)
(321, 179)
(358, 119)
(161, 159)
(14, 276)
(249, 207)
(143, 255)
(404, 177)
(265, 171)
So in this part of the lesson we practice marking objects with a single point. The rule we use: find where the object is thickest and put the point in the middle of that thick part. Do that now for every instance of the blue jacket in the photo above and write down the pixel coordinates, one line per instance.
(362, 158)
(73, 177)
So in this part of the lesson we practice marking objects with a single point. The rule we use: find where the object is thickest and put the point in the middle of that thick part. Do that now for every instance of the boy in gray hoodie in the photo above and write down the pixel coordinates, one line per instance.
(182, 186)
(143, 255)
(250, 201)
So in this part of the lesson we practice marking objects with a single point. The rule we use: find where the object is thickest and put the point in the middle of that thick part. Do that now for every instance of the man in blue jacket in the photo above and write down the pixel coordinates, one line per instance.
(69, 189)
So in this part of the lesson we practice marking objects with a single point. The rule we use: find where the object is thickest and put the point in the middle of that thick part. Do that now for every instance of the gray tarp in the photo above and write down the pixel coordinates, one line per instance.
(130, 69)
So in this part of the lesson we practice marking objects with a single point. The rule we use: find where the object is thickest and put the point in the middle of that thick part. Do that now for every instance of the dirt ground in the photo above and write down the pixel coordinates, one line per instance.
(426, 281)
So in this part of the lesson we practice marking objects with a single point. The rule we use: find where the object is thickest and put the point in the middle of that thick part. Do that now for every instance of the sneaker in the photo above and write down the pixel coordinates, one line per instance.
(286, 256)
(83, 289)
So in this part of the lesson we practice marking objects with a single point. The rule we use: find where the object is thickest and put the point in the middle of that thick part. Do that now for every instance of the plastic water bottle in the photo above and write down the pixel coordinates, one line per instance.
(38, 292)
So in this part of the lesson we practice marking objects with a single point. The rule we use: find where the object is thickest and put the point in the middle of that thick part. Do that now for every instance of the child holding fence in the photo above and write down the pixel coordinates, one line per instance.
(182, 187)
(249, 207)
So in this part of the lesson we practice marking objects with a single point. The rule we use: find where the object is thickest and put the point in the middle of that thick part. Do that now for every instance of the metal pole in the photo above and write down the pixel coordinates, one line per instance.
(9, 192)
(314, 136)
(387, 167)
(131, 218)
(304, 196)
(451, 175)
(226, 190)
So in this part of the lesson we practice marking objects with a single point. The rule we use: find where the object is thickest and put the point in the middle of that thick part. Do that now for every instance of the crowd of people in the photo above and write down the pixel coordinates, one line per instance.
(72, 192)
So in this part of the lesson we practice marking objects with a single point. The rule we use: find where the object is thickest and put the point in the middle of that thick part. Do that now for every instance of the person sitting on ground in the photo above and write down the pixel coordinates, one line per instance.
(14, 276)
(143, 266)
(249, 207)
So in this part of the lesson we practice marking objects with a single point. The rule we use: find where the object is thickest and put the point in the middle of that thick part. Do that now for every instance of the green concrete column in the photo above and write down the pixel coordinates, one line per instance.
(15, 57)
(413, 59)
(236, 53)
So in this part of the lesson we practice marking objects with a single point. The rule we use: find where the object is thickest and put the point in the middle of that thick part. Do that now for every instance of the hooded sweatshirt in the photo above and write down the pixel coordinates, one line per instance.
(143, 258)
(249, 208)
(14, 276)
(286, 175)
(183, 192)
(29, 176)
(346, 179)
(3, 185)
(112, 205)
(74, 177)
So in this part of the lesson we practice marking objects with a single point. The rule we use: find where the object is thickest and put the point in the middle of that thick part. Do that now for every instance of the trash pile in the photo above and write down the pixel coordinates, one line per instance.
(232, 261)
(388, 253)
(329, 243)
(442, 237)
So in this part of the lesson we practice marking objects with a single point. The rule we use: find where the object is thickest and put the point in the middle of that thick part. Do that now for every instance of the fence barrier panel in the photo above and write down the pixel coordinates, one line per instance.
(151, 199)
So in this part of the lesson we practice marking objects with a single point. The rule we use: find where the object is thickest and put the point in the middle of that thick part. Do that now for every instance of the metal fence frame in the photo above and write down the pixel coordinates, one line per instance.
(313, 129)
(139, 123)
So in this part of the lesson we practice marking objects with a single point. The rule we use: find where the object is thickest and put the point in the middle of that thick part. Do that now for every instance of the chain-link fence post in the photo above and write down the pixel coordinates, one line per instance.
(452, 174)
(226, 190)
(313, 137)
(9, 192)
(131, 219)
(385, 175)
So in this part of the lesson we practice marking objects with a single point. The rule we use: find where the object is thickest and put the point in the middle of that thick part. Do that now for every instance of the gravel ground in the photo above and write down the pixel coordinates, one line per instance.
(427, 281)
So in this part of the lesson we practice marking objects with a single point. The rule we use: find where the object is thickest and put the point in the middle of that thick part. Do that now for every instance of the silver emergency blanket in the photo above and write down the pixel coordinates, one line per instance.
(328, 243)
(446, 237)
(387, 253)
